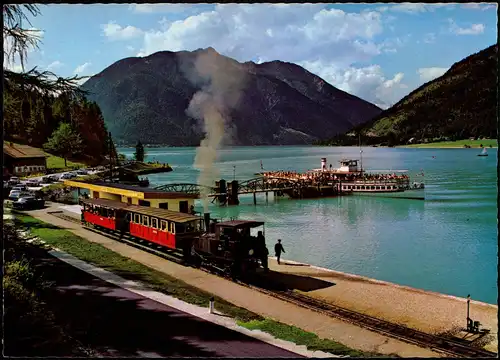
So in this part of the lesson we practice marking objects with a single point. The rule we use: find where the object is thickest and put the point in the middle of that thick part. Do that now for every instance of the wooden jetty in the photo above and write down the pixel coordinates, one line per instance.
(226, 193)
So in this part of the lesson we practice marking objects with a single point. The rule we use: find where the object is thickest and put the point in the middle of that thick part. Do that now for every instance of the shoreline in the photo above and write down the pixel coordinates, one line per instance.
(348, 276)
(355, 277)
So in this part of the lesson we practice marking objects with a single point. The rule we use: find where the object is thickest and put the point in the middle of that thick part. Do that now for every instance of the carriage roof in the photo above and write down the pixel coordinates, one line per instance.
(241, 223)
(162, 214)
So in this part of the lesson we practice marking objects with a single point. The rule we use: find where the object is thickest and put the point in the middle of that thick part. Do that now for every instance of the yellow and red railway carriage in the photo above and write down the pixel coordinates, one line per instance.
(172, 229)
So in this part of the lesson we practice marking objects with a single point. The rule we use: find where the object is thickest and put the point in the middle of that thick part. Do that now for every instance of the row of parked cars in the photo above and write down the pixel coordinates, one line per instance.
(24, 199)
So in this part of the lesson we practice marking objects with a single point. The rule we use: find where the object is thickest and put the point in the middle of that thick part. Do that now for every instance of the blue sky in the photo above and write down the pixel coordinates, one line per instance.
(379, 52)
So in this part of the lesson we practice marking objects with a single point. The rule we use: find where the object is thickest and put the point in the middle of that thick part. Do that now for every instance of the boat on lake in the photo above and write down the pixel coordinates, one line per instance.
(387, 183)
(483, 153)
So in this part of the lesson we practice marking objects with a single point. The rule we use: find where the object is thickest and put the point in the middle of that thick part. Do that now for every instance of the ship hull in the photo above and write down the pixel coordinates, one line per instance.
(414, 194)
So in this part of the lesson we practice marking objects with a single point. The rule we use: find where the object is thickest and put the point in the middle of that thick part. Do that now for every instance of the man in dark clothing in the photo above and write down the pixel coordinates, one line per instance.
(264, 259)
(278, 249)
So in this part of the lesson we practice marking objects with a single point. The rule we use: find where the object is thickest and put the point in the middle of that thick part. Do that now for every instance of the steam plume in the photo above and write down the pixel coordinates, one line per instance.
(212, 105)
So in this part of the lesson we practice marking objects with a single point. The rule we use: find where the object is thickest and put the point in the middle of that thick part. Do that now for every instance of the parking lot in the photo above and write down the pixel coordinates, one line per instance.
(16, 189)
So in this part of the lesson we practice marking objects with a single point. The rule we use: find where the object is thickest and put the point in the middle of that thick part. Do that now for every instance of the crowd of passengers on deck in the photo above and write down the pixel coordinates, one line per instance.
(321, 177)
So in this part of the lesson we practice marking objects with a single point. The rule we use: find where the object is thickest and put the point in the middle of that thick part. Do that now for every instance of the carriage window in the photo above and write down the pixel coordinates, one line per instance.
(129, 216)
(137, 218)
(163, 205)
(180, 228)
(190, 226)
(163, 224)
(154, 223)
(145, 220)
(172, 227)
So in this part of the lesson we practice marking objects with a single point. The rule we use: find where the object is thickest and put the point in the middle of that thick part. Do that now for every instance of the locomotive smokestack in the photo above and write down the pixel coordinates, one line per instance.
(207, 222)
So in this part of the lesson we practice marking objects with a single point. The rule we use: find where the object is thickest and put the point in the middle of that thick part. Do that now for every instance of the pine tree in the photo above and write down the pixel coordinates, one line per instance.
(140, 153)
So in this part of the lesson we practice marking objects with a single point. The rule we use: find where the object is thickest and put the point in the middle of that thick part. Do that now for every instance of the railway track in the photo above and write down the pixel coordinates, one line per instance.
(445, 345)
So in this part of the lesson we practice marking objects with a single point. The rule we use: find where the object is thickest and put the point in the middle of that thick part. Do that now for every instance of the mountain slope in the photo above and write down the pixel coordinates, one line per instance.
(461, 103)
(280, 103)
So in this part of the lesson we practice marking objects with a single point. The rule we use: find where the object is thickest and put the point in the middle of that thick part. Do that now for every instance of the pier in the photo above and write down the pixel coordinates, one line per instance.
(226, 193)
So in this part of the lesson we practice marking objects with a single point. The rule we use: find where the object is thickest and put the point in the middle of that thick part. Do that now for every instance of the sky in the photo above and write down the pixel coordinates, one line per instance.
(379, 52)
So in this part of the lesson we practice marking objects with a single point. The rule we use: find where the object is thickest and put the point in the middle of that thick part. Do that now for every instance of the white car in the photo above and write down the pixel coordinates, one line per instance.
(20, 188)
(14, 194)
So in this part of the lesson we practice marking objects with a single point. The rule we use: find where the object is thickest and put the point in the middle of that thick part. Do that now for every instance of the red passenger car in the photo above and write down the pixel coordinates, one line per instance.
(167, 228)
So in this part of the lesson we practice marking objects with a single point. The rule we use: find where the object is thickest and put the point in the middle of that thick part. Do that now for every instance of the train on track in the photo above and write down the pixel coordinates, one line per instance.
(226, 246)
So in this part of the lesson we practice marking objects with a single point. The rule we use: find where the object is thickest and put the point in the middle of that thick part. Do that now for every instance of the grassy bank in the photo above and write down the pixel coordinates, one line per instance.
(57, 163)
(457, 144)
(102, 257)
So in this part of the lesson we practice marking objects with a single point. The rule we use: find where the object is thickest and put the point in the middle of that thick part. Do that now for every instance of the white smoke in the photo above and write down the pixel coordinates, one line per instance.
(212, 105)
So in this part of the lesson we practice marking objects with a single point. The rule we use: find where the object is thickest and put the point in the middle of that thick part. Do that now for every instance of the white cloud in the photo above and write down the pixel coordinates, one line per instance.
(474, 29)
(330, 43)
(130, 48)
(413, 8)
(428, 74)
(160, 8)
(54, 65)
(479, 6)
(242, 32)
(114, 31)
(81, 68)
(368, 83)
(430, 38)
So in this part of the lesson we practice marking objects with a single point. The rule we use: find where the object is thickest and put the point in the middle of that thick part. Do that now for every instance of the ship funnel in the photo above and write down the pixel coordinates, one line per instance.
(323, 164)
(207, 222)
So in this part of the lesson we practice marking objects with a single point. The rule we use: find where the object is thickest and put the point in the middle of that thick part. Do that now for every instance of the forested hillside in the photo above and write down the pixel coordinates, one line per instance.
(31, 117)
(460, 104)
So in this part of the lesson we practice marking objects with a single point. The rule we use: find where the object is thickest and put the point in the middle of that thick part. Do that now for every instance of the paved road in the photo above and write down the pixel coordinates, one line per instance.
(117, 322)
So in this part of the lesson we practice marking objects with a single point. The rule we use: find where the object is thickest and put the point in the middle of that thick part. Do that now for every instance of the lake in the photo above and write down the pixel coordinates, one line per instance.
(447, 243)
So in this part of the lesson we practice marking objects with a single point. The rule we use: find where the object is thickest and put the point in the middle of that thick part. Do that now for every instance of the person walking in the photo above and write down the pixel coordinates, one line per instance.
(278, 249)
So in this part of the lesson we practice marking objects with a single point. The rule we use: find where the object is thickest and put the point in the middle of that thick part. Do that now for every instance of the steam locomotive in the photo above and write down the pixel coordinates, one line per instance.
(226, 246)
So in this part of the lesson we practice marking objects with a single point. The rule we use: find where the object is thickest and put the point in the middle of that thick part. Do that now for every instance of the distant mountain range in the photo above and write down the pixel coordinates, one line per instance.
(277, 103)
(460, 104)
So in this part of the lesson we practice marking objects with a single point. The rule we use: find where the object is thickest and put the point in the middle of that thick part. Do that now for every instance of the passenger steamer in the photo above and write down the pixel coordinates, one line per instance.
(387, 183)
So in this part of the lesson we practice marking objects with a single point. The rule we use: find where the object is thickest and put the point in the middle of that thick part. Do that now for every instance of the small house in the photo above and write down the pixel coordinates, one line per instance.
(23, 160)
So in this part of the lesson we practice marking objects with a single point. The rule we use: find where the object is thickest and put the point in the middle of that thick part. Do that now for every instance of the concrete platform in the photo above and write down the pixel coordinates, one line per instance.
(419, 309)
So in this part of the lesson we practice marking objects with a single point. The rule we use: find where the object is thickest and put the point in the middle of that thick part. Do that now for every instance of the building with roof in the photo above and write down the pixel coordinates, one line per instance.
(22, 160)
(135, 195)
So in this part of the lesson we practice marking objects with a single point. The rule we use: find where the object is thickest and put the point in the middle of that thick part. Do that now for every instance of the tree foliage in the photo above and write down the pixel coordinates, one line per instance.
(139, 153)
(65, 141)
(460, 104)
(37, 102)
(18, 40)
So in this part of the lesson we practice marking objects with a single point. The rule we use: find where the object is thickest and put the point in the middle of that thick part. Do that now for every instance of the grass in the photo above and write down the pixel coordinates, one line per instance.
(301, 337)
(102, 257)
(457, 144)
(56, 162)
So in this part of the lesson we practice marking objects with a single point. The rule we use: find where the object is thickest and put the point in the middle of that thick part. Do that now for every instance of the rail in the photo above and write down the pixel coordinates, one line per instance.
(446, 345)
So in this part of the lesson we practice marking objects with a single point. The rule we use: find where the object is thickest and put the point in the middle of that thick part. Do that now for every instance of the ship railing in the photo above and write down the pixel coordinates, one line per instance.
(381, 181)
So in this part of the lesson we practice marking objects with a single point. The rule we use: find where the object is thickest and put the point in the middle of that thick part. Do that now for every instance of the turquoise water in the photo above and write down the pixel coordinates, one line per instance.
(447, 243)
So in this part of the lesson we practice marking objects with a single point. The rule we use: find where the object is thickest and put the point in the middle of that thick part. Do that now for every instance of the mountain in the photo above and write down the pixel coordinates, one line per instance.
(277, 103)
(460, 104)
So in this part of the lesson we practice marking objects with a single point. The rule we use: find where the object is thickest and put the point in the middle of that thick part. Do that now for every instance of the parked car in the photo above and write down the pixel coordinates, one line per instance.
(33, 183)
(47, 179)
(20, 187)
(53, 178)
(28, 203)
(16, 194)
(14, 180)
(82, 172)
(67, 176)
